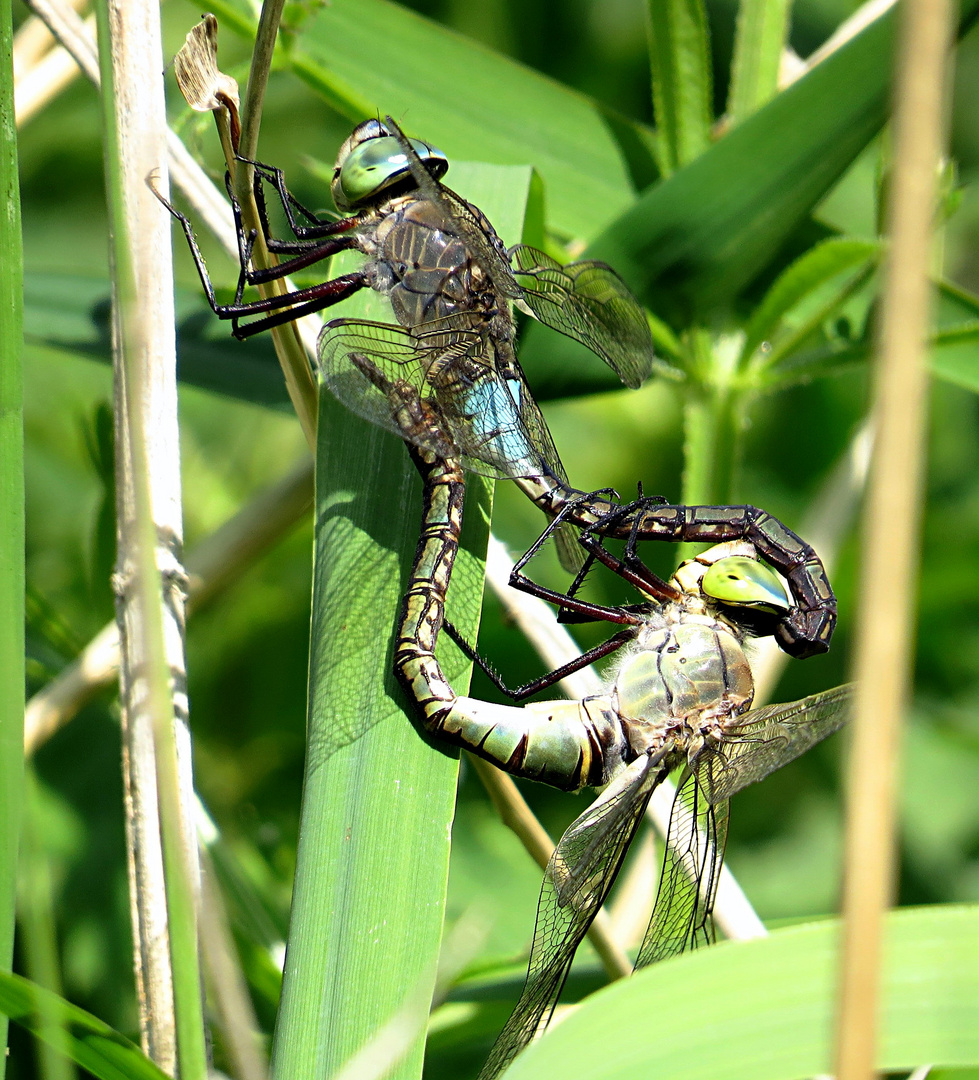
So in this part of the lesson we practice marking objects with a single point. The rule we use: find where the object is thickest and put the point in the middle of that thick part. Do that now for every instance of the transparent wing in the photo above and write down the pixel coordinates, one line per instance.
(766, 739)
(376, 369)
(577, 880)
(695, 842)
(589, 302)
(479, 235)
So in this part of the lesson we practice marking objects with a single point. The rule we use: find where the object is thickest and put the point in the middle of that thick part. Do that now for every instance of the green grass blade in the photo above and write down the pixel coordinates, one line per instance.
(37, 934)
(680, 61)
(87, 1040)
(378, 799)
(11, 510)
(762, 1010)
(758, 43)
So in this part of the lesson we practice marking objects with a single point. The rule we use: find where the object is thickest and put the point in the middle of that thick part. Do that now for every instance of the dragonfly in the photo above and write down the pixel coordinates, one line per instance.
(680, 698)
(452, 285)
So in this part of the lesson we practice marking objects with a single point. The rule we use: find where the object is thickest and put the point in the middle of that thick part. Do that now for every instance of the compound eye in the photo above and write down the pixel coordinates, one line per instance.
(371, 167)
(745, 582)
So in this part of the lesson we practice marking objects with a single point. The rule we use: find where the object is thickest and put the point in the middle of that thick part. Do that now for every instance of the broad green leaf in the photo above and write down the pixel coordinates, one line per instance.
(679, 56)
(370, 56)
(692, 242)
(758, 43)
(820, 265)
(763, 1010)
(84, 1038)
(378, 798)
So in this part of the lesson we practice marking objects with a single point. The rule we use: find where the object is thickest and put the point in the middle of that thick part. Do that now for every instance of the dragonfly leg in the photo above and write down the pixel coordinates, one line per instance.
(568, 601)
(299, 302)
(807, 628)
(317, 228)
(630, 567)
(545, 682)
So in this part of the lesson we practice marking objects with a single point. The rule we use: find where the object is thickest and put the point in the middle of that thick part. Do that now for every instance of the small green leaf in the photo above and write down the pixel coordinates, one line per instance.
(84, 1038)
(799, 281)
(954, 356)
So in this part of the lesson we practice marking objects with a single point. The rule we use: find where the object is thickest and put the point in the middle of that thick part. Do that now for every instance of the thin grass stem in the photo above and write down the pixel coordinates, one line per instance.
(11, 510)
(891, 529)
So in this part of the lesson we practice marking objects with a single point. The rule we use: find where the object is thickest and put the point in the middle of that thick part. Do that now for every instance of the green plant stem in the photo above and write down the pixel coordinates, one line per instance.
(288, 343)
(679, 58)
(712, 422)
(758, 44)
(11, 510)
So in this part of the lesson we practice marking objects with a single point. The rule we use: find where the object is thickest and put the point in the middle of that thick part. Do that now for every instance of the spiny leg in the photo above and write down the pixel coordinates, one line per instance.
(544, 682)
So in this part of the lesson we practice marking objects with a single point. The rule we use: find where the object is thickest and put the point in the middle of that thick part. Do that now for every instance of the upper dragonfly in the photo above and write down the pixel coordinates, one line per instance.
(452, 285)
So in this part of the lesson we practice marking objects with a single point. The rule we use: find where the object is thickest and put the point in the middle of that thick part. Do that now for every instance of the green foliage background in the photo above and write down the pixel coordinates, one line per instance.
(248, 650)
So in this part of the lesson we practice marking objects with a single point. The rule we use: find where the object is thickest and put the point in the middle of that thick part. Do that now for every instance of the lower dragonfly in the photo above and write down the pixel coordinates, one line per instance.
(681, 697)
(451, 284)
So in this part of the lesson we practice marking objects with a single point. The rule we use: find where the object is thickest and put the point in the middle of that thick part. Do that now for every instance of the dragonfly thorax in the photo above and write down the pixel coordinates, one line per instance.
(683, 677)
(423, 266)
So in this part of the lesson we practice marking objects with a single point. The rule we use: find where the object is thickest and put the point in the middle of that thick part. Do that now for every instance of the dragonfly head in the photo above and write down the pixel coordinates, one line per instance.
(731, 579)
(372, 166)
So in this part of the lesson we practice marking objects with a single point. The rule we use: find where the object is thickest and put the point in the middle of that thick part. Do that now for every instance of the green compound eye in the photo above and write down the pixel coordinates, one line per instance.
(379, 163)
(745, 582)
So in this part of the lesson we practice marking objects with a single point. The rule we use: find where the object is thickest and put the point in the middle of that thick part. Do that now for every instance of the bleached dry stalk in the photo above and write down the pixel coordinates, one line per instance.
(149, 581)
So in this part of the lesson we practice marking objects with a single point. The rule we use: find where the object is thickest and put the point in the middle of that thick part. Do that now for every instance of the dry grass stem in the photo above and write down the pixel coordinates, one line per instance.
(891, 528)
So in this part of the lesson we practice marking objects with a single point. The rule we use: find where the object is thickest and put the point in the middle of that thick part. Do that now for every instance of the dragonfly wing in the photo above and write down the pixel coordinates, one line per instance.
(378, 372)
(589, 302)
(468, 222)
(577, 880)
(490, 415)
(766, 739)
(528, 432)
(692, 862)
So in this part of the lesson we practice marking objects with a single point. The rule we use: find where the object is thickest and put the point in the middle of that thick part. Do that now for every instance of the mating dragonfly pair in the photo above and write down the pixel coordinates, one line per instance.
(445, 378)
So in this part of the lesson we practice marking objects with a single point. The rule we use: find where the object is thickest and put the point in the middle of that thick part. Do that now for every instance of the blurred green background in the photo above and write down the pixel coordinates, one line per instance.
(248, 650)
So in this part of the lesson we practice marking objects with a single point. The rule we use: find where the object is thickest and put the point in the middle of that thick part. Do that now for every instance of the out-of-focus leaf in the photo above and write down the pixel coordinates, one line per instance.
(955, 356)
(763, 1009)
(691, 243)
(84, 1038)
(370, 57)
(71, 313)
